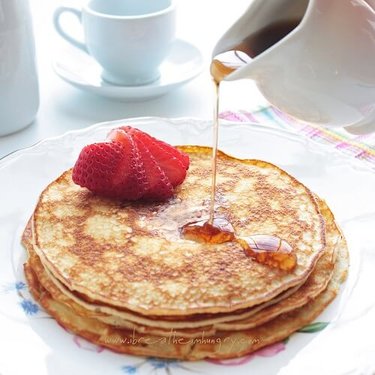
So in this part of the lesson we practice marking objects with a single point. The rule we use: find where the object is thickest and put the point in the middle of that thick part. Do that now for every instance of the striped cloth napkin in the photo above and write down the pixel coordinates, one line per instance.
(361, 147)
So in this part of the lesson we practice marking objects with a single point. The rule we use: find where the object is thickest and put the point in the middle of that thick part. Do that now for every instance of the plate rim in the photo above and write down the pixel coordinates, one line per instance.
(358, 165)
(248, 126)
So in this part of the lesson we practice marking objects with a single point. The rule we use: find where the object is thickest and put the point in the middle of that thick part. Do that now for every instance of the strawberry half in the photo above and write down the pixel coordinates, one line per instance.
(172, 161)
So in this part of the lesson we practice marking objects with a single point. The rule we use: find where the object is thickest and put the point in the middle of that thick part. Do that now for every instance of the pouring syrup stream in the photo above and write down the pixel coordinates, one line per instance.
(221, 66)
(214, 153)
(266, 249)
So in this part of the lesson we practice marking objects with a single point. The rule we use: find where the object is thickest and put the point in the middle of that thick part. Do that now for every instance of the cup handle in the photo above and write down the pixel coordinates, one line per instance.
(56, 21)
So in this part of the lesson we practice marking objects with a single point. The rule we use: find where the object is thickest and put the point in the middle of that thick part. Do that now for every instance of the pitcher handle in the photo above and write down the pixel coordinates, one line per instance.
(56, 21)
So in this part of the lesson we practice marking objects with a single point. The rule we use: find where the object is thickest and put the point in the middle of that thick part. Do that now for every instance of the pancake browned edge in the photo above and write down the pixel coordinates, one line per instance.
(220, 345)
(228, 338)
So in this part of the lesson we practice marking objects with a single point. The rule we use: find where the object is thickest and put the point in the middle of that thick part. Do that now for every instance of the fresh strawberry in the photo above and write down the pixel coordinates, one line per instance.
(159, 185)
(132, 165)
(184, 158)
(173, 162)
(112, 169)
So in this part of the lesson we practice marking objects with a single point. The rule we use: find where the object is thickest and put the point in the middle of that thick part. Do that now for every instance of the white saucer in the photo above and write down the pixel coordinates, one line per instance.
(183, 63)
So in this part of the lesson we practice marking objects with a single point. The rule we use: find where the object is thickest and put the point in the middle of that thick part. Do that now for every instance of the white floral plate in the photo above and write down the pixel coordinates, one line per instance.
(339, 342)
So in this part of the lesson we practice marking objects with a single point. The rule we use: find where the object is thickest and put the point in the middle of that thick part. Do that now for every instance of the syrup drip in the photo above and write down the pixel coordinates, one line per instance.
(214, 154)
(270, 250)
(265, 249)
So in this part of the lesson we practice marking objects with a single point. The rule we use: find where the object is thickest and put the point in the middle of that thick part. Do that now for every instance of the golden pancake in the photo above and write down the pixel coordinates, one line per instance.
(131, 256)
(293, 298)
(122, 276)
(220, 345)
(60, 294)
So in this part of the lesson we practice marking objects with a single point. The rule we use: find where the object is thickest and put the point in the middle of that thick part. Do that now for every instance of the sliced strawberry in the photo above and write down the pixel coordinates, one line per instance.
(112, 169)
(164, 154)
(184, 158)
(136, 177)
(159, 185)
(172, 167)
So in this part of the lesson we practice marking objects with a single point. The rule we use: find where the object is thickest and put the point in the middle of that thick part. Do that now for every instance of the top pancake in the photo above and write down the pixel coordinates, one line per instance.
(132, 255)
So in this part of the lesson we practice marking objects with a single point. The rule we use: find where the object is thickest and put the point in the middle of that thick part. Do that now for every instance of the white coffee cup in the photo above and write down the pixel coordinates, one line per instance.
(128, 38)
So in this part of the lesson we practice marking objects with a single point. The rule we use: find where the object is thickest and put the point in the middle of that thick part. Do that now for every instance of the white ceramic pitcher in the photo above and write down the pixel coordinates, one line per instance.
(323, 71)
(19, 91)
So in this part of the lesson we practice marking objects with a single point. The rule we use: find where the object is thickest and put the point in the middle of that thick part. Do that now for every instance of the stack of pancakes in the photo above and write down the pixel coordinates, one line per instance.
(120, 275)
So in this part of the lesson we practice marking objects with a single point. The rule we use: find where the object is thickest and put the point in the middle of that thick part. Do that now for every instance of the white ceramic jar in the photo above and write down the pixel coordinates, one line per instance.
(19, 92)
